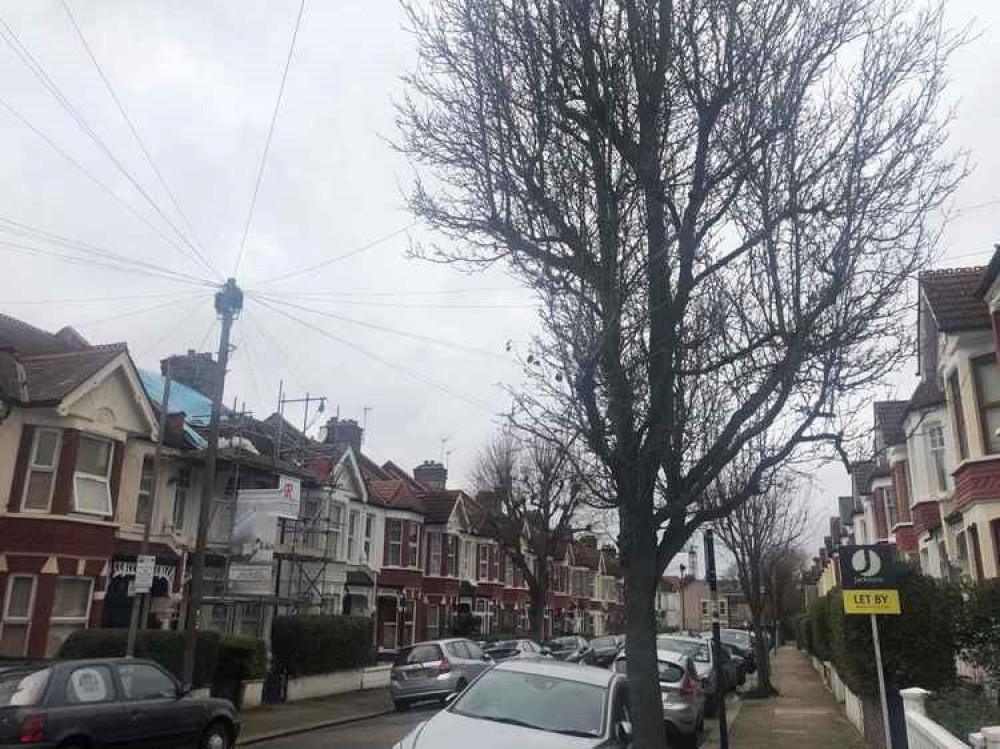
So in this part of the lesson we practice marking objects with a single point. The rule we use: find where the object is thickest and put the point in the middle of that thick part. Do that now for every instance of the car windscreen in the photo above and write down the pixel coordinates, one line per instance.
(603, 642)
(23, 687)
(533, 700)
(503, 645)
(696, 650)
(418, 654)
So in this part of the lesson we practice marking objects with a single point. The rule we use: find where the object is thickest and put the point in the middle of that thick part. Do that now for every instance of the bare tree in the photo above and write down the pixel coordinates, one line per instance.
(761, 533)
(719, 203)
(530, 499)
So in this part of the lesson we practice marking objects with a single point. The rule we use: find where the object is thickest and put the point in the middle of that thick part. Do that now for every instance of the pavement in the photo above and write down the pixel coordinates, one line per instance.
(273, 721)
(804, 714)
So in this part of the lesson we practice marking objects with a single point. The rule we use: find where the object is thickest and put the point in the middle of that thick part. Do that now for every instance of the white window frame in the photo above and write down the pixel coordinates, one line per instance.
(369, 536)
(141, 492)
(353, 518)
(336, 525)
(433, 631)
(938, 452)
(85, 619)
(483, 559)
(396, 545)
(454, 570)
(434, 542)
(77, 475)
(32, 466)
(413, 545)
(25, 621)
(181, 483)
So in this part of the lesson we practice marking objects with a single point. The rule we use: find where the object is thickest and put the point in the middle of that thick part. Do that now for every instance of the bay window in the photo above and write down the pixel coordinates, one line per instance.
(41, 471)
(453, 556)
(891, 510)
(956, 401)
(988, 391)
(434, 554)
(15, 615)
(369, 531)
(181, 486)
(352, 535)
(70, 610)
(336, 524)
(935, 434)
(92, 479)
(484, 561)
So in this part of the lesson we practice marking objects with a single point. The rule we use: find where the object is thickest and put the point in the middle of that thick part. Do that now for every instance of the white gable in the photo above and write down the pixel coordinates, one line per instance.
(112, 401)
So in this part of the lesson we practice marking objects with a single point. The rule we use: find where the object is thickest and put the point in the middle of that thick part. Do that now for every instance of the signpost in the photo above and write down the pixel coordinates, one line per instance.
(145, 564)
(868, 580)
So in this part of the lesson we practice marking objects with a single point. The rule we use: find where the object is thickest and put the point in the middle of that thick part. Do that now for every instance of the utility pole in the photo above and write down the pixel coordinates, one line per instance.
(140, 602)
(228, 303)
(720, 675)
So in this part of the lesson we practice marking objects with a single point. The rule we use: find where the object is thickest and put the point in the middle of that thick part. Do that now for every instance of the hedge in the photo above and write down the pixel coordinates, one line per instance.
(303, 645)
(241, 659)
(978, 630)
(165, 647)
(918, 647)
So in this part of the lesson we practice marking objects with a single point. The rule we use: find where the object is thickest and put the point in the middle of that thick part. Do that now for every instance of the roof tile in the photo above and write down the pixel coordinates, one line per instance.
(954, 298)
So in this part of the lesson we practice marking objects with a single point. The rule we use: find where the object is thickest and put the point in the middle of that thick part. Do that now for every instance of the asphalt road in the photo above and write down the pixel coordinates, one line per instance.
(376, 733)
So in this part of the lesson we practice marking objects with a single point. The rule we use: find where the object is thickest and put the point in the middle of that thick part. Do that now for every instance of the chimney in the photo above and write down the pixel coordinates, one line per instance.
(196, 370)
(344, 432)
(431, 474)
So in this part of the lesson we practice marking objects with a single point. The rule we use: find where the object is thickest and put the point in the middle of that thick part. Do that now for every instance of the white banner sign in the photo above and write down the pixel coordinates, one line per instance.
(249, 573)
(145, 564)
(290, 496)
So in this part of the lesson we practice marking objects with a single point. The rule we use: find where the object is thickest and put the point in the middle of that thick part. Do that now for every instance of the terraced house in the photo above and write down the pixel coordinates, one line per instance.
(297, 524)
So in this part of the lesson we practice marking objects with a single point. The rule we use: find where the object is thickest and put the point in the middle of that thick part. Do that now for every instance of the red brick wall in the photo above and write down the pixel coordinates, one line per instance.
(925, 514)
(980, 480)
(906, 539)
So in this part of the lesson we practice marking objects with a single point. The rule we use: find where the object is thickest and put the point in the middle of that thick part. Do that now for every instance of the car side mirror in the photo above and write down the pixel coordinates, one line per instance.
(183, 690)
(487, 658)
(623, 732)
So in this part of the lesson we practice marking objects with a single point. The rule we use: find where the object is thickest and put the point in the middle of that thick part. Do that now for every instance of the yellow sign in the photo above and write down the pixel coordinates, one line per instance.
(871, 601)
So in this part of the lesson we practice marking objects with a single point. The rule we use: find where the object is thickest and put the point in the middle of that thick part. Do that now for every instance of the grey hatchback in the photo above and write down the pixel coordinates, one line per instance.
(435, 669)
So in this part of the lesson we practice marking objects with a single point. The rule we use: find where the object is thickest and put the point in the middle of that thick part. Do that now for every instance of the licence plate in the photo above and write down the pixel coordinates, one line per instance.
(417, 673)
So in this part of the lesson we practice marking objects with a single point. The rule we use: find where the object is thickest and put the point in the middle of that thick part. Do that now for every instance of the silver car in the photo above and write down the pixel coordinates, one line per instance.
(435, 669)
(682, 695)
(699, 651)
(532, 704)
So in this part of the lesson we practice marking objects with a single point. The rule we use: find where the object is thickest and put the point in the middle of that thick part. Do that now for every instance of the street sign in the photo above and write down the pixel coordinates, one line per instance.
(145, 564)
(871, 602)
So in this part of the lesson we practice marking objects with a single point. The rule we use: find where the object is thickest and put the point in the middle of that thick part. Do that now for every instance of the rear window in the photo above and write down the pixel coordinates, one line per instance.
(604, 642)
(670, 672)
(23, 688)
(418, 654)
(504, 645)
(459, 649)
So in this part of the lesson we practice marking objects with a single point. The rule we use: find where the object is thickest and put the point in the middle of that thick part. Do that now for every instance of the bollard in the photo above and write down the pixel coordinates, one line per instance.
(913, 700)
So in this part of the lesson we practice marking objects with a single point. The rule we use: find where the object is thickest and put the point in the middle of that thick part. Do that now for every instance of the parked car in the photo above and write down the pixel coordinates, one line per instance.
(505, 649)
(532, 704)
(741, 643)
(700, 651)
(603, 651)
(571, 648)
(435, 669)
(682, 695)
(109, 702)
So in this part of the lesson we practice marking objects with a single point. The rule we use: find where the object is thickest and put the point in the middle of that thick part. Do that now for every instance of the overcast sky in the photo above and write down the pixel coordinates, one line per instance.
(199, 81)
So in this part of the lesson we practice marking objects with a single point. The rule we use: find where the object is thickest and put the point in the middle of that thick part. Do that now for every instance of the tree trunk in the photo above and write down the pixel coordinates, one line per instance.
(764, 685)
(640, 630)
(536, 611)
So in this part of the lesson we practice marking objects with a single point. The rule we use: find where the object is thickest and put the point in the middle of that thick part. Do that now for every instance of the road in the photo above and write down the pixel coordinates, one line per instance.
(376, 733)
(382, 733)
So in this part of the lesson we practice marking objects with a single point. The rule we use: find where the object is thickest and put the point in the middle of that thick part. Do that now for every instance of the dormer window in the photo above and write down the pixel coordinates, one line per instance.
(92, 480)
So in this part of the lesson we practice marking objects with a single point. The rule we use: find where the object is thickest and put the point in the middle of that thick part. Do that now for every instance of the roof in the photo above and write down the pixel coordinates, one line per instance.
(394, 494)
(954, 298)
(438, 506)
(48, 378)
(991, 273)
(862, 474)
(600, 677)
(889, 417)
(928, 394)
(27, 339)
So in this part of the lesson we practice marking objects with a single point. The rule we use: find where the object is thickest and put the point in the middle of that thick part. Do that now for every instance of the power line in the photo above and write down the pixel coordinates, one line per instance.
(338, 258)
(133, 313)
(386, 329)
(135, 134)
(36, 69)
(270, 135)
(385, 293)
(127, 206)
(385, 362)
(186, 315)
(32, 232)
(264, 333)
(90, 263)
(95, 299)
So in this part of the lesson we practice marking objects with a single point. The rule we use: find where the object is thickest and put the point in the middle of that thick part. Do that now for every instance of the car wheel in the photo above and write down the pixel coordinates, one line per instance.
(401, 707)
(216, 736)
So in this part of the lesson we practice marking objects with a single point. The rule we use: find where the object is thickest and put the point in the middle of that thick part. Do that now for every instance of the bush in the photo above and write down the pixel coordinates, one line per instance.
(978, 627)
(918, 647)
(801, 625)
(819, 628)
(962, 710)
(165, 647)
(241, 659)
(304, 645)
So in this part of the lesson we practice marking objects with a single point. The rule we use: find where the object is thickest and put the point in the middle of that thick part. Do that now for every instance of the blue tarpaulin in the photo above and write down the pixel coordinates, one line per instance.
(196, 407)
